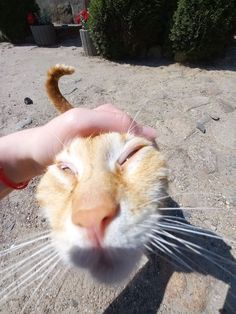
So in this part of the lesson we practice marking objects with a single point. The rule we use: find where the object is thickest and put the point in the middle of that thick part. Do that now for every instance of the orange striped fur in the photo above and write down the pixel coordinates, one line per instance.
(53, 91)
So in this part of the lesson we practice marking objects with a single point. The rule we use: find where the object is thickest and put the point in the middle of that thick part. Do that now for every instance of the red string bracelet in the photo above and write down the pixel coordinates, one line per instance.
(6, 181)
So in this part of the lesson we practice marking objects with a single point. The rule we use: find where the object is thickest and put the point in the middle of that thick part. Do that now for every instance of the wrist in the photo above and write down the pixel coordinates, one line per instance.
(16, 156)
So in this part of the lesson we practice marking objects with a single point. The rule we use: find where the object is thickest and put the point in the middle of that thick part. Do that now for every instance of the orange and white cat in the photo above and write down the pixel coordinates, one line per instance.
(98, 194)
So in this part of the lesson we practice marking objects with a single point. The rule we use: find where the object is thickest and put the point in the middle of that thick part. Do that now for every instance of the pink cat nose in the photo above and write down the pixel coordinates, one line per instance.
(88, 215)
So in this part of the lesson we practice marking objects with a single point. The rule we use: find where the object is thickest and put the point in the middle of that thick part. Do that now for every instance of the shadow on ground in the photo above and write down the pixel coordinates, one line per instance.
(226, 62)
(145, 292)
(66, 36)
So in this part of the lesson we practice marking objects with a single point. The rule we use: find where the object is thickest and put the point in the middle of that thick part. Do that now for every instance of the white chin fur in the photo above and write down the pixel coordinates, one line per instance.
(108, 265)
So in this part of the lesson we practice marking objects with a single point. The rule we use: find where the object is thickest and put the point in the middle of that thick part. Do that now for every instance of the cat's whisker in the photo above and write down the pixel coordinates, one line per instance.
(23, 244)
(167, 251)
(63, 279)
(33, 236)
(26, 261)
(183, 194)
(194, 247)
(159, 239)
(165, 258)
(167, 226)
(176, 219)
(162, 231)
(175, 248)
(148, 248)
(58, 139)
(49, 283)
(48, 272)
(156, 200)
(133, 125)
(44, 262)
(200, 254)
(49, 255)
(171, 223)
(200, 193)
(189, 208)
(189, 248)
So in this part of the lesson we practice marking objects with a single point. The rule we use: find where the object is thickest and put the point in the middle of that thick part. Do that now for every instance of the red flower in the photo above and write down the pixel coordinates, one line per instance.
(82, 17)
(78, 19)
(85, 15)
(31, 18)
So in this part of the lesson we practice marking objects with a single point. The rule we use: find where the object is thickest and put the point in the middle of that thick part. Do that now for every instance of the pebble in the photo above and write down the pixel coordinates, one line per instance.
(213, 117)
(28, 101)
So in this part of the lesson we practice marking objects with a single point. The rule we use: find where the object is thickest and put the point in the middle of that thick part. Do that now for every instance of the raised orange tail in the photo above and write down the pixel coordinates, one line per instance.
(54, 94)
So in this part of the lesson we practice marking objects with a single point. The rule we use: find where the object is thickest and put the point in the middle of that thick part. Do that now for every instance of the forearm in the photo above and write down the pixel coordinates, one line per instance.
(16, 158)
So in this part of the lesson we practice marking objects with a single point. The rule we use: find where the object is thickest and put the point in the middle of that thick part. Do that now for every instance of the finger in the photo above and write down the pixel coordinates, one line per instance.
(117, 121)
(147, 132)
(86, 122)
(109, 108)
(99, 121)
(138, 129)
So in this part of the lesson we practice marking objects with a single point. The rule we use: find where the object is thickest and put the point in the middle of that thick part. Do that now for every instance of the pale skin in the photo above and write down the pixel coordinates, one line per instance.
(26, 154)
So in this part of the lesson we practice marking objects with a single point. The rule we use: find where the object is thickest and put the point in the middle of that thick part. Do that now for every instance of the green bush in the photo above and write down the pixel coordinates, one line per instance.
(122, 28)
(13, 14)
(202, 28)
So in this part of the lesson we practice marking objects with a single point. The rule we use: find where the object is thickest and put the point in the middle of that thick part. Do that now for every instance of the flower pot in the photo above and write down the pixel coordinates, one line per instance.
(87, 43)
(44, 35)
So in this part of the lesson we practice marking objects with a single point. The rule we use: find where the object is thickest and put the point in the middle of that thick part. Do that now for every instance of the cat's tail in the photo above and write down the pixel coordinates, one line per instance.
(54, 94)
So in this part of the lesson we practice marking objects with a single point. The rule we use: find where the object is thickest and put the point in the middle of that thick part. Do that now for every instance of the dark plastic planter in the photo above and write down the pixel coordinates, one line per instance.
(44, 35)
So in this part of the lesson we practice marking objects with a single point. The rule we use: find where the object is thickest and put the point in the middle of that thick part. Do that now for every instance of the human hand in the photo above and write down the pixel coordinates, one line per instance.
(29, 152)
(83, 122)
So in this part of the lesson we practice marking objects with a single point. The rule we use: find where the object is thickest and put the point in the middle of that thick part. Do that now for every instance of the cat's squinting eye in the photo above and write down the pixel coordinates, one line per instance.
(130, 152)
(67, 168)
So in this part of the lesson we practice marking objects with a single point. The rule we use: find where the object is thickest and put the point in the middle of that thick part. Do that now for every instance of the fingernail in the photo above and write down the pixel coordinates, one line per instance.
(149, 132)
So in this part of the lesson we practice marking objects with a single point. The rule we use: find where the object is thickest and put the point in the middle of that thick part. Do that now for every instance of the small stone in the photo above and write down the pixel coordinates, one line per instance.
(12, 226)
(201, 127)
(28, 101)
(213, 117)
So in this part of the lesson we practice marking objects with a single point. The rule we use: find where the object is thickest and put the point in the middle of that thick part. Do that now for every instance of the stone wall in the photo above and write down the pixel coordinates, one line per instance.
(63, 11)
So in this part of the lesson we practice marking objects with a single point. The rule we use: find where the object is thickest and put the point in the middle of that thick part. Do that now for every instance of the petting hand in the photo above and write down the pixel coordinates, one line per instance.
(83, 122)
(26, 154)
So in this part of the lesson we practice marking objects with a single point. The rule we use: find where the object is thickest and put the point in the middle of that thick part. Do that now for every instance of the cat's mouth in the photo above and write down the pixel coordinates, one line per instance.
(108, 265)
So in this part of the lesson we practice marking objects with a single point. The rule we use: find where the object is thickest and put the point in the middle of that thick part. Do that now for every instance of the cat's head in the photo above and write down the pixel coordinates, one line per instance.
(99, 196)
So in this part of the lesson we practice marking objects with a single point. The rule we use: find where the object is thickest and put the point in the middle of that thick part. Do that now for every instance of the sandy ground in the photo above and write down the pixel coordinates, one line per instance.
(176, 100)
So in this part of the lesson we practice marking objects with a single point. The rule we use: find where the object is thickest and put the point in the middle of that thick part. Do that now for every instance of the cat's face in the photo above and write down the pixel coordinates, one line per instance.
(98, 196)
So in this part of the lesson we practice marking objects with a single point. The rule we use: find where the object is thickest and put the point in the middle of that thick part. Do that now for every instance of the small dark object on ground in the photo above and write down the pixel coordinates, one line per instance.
(215, 118)
(201, 127)
(28, 101)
